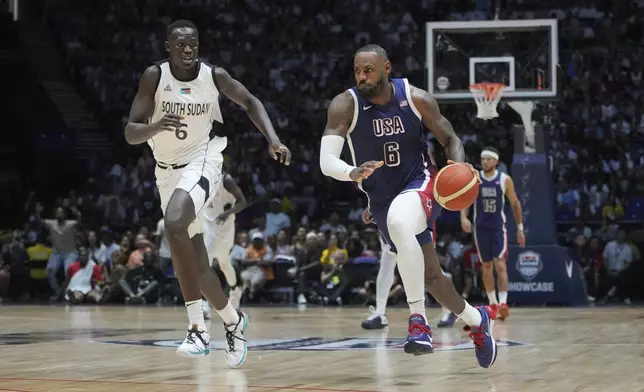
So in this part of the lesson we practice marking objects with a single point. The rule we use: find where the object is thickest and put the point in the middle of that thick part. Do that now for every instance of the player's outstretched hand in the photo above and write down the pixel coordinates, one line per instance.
(169, 122)
(366, 216)
(469, 166)
(281, 153)
(365, 170)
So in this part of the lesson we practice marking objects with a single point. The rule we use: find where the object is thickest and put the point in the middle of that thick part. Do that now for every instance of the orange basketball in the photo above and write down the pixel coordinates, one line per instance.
(455, 187)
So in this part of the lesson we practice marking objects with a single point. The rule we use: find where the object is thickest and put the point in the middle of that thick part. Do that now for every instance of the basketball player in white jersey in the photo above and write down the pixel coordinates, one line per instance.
(174, 111)
(219, 234)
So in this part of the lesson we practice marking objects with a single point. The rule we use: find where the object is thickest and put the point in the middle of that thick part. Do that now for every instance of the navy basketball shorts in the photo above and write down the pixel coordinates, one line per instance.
(423, 184)
(491, 243)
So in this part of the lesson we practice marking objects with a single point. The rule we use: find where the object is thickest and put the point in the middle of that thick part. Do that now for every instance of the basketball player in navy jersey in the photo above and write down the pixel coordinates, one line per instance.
(174, 111)
(381, 119)
(490, 233)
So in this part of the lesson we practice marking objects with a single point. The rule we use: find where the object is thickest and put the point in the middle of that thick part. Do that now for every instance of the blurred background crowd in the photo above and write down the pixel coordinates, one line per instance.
(302, 230)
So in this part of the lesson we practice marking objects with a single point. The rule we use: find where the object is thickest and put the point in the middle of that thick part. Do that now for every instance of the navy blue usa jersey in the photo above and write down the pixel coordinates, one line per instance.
(489, 211)
(392, 133)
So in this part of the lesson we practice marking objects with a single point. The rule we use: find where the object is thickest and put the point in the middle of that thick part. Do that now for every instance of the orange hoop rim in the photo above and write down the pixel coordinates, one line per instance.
(489, 90)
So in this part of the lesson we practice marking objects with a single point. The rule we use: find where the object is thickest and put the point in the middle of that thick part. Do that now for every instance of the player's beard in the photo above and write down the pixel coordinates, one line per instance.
(369, 91)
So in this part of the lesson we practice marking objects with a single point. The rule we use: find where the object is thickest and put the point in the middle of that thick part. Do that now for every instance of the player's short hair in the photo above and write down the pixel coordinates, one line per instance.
(178, 24)
(372, 48)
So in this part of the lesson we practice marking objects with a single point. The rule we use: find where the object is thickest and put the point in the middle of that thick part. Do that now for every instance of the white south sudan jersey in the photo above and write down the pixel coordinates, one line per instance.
(223, 201)
(198, 102)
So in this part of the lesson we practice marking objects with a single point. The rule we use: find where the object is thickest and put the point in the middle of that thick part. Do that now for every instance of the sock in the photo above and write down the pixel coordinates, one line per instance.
(491, 296)
(229, 315)
(470, 316)
(195, 314)
(503, 297)
(418, 307)
(385, 279)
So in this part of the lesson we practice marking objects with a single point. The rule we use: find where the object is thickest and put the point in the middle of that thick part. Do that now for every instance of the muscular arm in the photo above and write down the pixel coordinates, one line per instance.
(239, 94)
(339, 118)
(439, 125)
(138, 130)
(514, 202)
(240, 200)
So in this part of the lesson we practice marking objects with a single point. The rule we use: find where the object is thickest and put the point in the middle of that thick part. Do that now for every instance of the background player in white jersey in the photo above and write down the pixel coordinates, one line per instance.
(219, 234)
(174, 111)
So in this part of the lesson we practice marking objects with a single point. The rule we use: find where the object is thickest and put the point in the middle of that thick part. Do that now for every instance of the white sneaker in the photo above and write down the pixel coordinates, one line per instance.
(197, 343)
(207, 311)
(301, 299)
(235, 297)
(236, 347)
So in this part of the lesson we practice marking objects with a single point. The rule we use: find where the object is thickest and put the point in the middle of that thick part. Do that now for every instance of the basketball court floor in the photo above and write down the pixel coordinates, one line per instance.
(128, 349)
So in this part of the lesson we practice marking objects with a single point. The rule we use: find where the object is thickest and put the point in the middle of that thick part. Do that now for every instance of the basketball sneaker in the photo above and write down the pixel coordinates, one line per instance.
(235, 296)
(236, 347)
(484, 343)
(206, 310)
(504, 312)
(375, 320)
(196, 344)
(448, 321)
(419, 340)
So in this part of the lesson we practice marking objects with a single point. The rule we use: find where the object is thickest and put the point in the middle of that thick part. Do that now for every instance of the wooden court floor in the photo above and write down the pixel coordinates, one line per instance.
(128, 349)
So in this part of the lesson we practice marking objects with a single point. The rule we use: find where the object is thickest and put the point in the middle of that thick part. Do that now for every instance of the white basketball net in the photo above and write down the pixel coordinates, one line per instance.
(487, 97)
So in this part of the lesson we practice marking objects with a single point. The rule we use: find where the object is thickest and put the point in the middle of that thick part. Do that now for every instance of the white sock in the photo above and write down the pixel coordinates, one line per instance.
(195, 314)
(418, 307)
(471, 316)
(503, 297)
(385, 279)
(491, 296)
(229, 314)
(405, 219)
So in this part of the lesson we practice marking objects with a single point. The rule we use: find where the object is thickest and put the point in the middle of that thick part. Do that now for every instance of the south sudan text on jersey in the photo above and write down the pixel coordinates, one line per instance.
(186, 109)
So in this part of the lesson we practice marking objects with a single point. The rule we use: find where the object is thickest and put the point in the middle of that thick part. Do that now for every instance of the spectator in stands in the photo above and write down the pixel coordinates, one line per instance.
(618, 257)
(39, 254)
(333, 225)
(613, 210)
(93, 247)
(276, 220)
(308, 270)
(594, 271)
(83, 278)
(14, 275)
(142, 245)
(63, 238)
(282, 244)
(142, 284)
(258, 266)
(108, 247)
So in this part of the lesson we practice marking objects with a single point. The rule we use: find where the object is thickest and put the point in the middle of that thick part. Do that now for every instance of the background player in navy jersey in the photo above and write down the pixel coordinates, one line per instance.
(490, 233)
(381, 119)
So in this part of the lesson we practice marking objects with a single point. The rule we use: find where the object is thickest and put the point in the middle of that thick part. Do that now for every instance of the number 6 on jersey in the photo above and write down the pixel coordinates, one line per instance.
(392, 155)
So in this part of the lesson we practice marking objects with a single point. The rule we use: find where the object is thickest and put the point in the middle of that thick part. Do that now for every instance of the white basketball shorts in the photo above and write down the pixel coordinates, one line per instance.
(200, 178)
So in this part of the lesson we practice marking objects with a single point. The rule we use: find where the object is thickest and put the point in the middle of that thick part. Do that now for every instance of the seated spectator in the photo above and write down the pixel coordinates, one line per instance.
(309, 271)
(142, 245)
(613, 210)
(143, 283)
(258, 266)
(83, 277)
(282, 244)
(618, 256)
(14, 275)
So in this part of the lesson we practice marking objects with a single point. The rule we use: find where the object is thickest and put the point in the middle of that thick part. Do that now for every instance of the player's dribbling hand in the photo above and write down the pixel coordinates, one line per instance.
(521, 238)
(221, 218)
(366, 216)
(281, 153)
(466, 225)
(169, 122)
(365, 170)
(469, 166)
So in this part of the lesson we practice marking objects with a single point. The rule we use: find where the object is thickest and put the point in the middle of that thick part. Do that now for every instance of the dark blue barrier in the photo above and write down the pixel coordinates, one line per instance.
(544, 275)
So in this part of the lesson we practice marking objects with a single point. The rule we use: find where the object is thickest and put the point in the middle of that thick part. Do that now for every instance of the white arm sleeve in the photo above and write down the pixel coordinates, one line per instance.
(330, 162)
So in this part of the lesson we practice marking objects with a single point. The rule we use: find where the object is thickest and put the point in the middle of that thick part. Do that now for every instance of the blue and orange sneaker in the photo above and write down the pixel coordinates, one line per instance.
(419, 340)
(484, 343)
